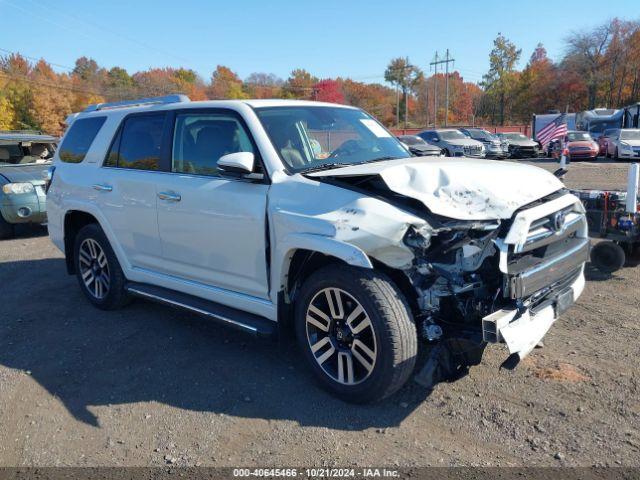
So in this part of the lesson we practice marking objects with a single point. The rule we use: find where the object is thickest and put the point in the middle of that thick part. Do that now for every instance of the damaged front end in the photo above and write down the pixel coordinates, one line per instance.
(496, 281)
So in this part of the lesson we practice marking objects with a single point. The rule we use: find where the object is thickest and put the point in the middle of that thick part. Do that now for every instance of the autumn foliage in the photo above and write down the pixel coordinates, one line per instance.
(600, 68)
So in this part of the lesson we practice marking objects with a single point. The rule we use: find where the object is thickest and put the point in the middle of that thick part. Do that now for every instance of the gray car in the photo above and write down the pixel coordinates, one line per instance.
(454, 143)
(519, 145)
(24, 160)
(492, 144)
(418, 147)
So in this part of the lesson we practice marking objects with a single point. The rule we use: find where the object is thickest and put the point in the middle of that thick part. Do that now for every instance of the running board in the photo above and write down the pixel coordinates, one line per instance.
(247, 322)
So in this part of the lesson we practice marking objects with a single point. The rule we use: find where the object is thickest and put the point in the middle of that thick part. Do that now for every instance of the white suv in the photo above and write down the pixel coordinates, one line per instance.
(273, 215)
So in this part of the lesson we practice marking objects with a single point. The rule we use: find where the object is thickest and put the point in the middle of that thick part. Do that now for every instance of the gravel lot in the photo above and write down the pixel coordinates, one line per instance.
(149, 385)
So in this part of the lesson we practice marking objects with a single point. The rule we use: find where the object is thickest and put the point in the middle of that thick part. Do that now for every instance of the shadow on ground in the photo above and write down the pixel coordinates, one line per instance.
(147, 352)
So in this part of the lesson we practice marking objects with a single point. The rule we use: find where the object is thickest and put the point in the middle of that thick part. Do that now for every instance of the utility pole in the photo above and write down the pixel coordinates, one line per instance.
(435, 63)
(435, 90)
(406, 101)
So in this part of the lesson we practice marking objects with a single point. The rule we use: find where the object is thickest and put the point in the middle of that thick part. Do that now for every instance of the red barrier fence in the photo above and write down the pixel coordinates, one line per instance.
(525, 129)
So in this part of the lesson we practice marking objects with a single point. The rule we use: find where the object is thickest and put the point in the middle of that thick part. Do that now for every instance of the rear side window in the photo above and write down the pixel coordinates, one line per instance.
(137, 144)
(79, 138)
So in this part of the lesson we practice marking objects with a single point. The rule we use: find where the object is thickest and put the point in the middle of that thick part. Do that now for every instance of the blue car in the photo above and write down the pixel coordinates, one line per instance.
(24, 160)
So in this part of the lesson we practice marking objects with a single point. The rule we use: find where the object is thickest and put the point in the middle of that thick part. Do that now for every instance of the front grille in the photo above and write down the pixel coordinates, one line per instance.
(473, 151)
(553, 246)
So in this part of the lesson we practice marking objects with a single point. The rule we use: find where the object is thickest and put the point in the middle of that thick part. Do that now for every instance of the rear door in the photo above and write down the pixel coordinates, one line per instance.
(213, 227)
(126, 192)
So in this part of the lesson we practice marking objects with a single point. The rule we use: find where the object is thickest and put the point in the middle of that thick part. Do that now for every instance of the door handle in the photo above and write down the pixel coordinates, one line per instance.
(169, 196)
(102, 188)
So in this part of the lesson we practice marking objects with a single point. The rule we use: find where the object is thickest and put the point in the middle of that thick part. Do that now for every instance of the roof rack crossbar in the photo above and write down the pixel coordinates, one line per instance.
(178, 98)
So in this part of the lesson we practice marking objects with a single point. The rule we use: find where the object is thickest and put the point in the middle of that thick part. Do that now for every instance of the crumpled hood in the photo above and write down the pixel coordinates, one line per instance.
(633, 143)
(462, 189)
(24, 173)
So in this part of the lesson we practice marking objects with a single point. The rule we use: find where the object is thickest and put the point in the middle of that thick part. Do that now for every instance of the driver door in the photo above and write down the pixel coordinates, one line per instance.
(212, 227)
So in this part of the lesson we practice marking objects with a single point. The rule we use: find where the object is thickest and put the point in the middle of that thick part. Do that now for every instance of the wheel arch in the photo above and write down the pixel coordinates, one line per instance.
(74, 220)
(299, 263)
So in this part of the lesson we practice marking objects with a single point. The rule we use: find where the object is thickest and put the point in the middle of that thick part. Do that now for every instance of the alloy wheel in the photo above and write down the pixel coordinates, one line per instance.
(341, 336)
(94, 268)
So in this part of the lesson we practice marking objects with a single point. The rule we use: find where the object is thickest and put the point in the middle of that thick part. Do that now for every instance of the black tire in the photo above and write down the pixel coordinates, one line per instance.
(115, 295)
(447, 153)
(608, 257)
(615, 155)
(391, 322)
(6, 229)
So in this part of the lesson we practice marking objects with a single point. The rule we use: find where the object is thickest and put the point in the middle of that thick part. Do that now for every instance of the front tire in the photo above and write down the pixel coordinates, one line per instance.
(356, 332)
(98, 270)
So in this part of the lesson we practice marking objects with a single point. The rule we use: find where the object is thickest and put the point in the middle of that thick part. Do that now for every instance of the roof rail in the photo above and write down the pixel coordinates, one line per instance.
(178, 98)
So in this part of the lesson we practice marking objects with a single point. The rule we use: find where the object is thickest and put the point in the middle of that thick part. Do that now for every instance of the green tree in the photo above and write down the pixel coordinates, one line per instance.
(499, 81)
(405, 77)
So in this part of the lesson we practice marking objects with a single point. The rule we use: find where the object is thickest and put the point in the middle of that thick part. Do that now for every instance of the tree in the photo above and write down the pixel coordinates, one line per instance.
(328, 90)
(498, 82)
(225, 84)
(404, 76)
(299, 84)
(263, 85)
(585, 56)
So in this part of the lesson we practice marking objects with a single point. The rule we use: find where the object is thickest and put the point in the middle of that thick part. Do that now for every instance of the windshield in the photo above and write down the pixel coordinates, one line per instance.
(579, 137)
(412, 140)
(599, 127)
(312, 137)
(452, 135)
(22, 153)
(481, 135)
(629, 134)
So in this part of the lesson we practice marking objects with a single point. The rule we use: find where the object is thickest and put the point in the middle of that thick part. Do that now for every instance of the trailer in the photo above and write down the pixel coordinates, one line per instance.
(614, 217)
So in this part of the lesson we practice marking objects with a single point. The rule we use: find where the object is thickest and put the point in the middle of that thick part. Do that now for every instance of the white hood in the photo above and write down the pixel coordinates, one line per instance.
(463, 189)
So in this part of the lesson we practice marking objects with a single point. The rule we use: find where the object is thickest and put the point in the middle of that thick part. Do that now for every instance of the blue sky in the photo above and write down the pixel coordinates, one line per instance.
(327, 37)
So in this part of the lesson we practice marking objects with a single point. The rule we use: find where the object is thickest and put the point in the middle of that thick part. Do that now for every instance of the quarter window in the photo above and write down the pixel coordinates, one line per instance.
(138, 143)
(79, 138)
(201, 139)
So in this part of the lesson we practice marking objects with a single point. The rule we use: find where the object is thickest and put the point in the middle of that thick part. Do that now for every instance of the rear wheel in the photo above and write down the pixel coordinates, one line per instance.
(6, 229)
(356, 332)
(608, 257)
(97, 268)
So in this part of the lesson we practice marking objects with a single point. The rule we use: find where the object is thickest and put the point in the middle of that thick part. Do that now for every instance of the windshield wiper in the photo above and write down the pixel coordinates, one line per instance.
(329, 166)
(325, 166)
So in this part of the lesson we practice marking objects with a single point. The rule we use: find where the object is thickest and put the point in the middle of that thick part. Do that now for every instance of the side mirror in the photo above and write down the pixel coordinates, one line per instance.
(238, 162)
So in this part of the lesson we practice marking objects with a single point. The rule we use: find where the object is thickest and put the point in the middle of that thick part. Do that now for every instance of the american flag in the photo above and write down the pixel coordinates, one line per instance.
(553, 130)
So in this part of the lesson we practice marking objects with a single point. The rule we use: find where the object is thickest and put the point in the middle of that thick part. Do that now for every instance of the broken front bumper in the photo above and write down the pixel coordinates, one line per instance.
(522, 329)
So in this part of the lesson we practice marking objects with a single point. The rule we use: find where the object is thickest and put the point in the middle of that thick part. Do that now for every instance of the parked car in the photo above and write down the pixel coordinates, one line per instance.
(225, 209)
(580, 146)
(418, 147)
(519, 145)
(454, 143)
(493, 146)
(24, 158)
(624, 143)
(603, 140)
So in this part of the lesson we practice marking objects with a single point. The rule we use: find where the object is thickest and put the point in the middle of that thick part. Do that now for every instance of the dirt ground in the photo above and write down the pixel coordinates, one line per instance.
(150, 386)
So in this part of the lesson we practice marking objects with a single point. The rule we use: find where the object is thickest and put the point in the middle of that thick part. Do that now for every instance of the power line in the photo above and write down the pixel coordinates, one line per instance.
(435, 64)
(94, 25)
(35, 59)
(25, 78)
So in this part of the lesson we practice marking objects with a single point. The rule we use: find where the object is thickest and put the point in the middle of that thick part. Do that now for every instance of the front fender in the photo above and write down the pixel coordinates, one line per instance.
(287, 247)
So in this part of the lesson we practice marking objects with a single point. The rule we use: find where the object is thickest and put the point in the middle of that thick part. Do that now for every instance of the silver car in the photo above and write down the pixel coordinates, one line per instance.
(454, 143)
